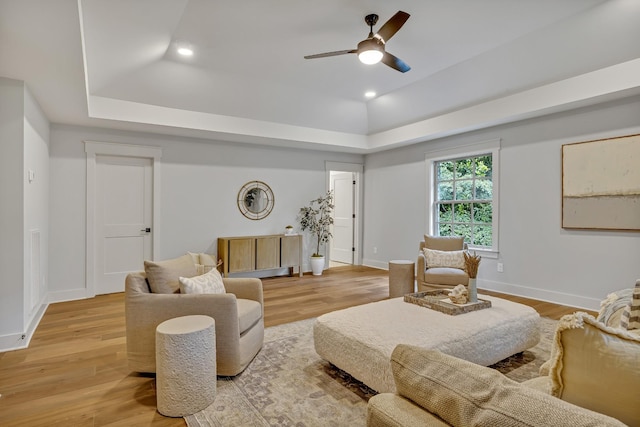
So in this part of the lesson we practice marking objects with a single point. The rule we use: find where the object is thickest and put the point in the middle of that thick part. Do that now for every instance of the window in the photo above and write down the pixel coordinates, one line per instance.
(463, 194)
(464, 199)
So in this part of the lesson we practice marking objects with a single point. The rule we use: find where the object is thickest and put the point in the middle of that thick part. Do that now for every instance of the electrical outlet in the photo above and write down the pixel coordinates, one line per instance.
(375, 249)
(500, 267)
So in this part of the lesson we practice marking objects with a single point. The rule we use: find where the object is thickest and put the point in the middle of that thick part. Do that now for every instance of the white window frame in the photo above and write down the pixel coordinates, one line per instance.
(470, 150)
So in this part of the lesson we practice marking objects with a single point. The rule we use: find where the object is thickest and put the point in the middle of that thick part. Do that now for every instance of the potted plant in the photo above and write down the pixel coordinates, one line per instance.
(318, 218)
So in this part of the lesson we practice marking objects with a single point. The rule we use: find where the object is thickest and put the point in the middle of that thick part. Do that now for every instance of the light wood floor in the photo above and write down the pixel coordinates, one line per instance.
(75, 373)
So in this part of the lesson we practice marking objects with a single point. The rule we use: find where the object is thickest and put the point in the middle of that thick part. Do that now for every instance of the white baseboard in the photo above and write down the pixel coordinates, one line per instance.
(70, 295)
(375, 264)
(19, 341)
(13, 342)
(561, 298)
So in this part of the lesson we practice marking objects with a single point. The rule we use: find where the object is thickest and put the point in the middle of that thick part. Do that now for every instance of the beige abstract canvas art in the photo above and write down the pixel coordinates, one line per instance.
(601, 184)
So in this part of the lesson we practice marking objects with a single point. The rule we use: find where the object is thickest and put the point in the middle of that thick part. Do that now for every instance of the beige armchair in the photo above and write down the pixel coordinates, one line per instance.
(239, 316)
(440, 277)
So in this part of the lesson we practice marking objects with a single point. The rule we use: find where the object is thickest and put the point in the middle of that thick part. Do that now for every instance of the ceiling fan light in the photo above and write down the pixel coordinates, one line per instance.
(370, 57)
(370, 51)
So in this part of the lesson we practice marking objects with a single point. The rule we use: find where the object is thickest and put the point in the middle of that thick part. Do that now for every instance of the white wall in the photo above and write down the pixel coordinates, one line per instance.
(200, 180)
(24, 135)
(11, 219)
(541, 259)
(36, 206)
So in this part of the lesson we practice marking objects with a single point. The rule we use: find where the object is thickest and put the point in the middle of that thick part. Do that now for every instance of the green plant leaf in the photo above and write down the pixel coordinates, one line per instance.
(317, 219)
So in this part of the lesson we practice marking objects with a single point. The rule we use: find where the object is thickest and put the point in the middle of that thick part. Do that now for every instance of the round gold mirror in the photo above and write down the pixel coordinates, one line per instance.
(255, 200)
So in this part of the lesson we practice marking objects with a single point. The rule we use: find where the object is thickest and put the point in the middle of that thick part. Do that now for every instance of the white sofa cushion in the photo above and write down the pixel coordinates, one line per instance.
(249, 312)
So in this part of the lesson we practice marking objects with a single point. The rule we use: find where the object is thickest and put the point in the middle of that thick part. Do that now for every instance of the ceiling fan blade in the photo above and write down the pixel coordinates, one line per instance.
(393, 25)
(395, 63)
(326, 54)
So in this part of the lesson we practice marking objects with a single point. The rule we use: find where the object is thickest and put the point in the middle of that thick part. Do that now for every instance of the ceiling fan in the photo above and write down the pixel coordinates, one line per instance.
(371, 50)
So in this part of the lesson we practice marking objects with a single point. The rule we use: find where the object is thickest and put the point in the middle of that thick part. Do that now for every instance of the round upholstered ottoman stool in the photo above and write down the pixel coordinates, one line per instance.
(401, 277)
(185, 365)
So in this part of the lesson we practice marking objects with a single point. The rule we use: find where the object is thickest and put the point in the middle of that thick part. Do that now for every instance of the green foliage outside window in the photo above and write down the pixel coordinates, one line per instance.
(464, 199)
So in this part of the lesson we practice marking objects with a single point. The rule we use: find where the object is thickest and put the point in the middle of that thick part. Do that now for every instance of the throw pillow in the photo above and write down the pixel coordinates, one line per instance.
(203, 262)
(208, 259)
(202, 258)
(208, 283)
(613, 305)
(596, 366)
(195, 257)
(201, 269)
(451, 259)
(207, 262)
(163, 275)
(465, 394)
(631, 315)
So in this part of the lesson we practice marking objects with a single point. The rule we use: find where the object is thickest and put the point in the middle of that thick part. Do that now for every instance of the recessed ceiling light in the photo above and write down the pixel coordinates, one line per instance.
(185, 51)
(369, 94)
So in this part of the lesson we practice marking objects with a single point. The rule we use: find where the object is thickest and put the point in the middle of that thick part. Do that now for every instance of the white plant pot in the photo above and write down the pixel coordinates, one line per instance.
(317, 265)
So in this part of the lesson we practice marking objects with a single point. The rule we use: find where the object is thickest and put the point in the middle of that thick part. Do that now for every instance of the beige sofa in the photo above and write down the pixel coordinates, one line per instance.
(592, 380)
(239, 316)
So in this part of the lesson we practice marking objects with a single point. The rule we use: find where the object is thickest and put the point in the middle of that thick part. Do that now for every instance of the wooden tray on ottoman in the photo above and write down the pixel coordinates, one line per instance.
(439, 301)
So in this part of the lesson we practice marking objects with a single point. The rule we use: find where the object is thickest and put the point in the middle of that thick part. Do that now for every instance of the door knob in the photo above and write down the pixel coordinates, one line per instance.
(146, 230)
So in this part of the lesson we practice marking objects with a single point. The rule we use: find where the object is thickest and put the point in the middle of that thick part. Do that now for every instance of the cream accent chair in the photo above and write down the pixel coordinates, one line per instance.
(429, 279)
(239, 316)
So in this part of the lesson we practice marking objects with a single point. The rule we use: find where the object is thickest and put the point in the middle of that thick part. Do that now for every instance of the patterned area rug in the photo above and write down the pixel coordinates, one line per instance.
(288, 384)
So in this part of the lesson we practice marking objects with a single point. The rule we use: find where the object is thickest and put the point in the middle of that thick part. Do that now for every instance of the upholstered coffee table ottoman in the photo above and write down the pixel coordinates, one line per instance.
(359, 340)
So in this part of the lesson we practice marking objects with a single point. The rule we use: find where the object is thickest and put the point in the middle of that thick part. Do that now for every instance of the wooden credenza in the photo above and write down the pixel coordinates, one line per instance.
(254, 253)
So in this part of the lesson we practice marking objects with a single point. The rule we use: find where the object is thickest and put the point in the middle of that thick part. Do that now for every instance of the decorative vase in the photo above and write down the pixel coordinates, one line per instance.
(288, 230)
(317, 265)
(473, 290)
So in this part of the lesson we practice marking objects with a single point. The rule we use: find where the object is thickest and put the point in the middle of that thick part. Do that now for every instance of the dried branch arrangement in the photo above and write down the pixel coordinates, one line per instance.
(472, 262)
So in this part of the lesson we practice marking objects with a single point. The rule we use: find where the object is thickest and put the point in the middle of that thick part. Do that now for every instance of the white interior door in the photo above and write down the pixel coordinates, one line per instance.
(123, 219)
(342, 184)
